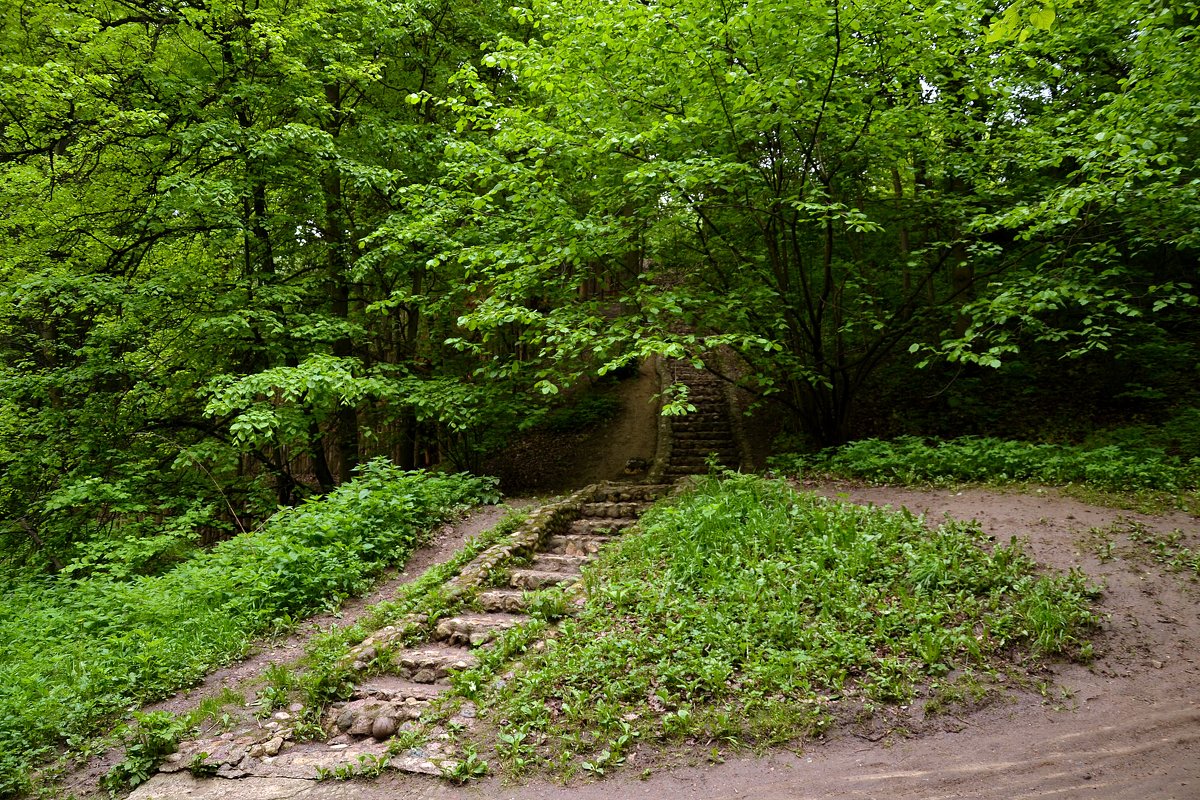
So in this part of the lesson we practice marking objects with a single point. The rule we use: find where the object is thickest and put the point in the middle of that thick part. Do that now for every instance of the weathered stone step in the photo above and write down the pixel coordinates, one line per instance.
(702, 437)
(613, 510)
(379, 719)
(558, 562)
(476, 629)
(632, 493)
(576, 544)
(531, 579)
(598, 526)
(704, 412)
(510, 601)
(679, 472)
(725, 452)
(392, 688)
(694, 460)
(683, 425)
(431, 664)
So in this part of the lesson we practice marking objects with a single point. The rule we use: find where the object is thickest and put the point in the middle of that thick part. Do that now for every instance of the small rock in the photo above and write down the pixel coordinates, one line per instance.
(362, 725)
(383, 728)
(282, 716)
(296, 708)
(258, 751)
(340, 746)
(1156, 664)
(273, 747)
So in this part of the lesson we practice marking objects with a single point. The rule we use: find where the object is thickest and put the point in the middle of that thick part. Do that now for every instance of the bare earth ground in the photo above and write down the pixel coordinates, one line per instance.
(1126, 727)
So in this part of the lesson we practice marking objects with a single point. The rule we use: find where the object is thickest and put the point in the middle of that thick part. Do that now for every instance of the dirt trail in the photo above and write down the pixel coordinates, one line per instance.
(1127, 727)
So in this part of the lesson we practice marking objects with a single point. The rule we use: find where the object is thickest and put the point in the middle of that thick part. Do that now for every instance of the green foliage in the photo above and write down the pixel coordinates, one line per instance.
(912, 459)
(82, 651)
(766, 609)
(155, 736)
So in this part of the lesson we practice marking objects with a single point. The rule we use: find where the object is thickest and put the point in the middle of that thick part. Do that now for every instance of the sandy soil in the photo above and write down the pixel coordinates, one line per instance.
(1126, 727)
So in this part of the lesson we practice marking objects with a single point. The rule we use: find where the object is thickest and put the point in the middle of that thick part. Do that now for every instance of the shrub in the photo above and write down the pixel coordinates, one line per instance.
(911, 459)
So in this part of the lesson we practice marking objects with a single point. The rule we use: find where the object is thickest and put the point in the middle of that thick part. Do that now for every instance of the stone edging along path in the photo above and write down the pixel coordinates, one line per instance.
(549, 549)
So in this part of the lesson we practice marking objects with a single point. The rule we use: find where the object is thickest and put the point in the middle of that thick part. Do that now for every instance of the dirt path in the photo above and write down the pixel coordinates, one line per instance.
(1125, 727)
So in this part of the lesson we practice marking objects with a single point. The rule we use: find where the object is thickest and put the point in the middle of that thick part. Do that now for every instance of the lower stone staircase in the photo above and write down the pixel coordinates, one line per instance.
(400, 680)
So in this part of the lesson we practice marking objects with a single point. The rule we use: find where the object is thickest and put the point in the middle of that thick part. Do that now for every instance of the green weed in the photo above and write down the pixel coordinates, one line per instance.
(911, 459)
(80, 652)
(745, 611)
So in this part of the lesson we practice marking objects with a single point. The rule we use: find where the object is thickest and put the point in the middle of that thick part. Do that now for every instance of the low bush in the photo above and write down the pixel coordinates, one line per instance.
(80, 652)
(911, 459)
(747, 610)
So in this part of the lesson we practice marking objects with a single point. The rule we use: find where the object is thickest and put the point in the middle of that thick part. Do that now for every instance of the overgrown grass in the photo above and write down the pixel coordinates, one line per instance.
(81, 652)
(746, 611)
(911, 459)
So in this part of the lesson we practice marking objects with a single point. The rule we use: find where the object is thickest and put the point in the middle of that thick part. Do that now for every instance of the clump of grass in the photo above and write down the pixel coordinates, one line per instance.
(746, 611)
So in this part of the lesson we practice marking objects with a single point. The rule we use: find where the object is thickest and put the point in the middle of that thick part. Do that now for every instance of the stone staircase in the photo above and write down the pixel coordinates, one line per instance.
(400, 680)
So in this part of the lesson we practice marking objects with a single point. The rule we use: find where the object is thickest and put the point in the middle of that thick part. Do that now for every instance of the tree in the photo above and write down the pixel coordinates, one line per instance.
(195, 311)
(821, 185)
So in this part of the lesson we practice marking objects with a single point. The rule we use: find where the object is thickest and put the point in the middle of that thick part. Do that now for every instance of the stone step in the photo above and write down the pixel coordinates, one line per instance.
(576, 544)
(531, 579)
(683, 426)
(559, 562)
(679, 472)
(632, 493)
(391, 688)
(678, 452)
(613, 510)
(693, 459)
(379, 719)
(703, 412)
(431, 664)
(510, 601)
(474, 630)
(702, 437)
(599, 526)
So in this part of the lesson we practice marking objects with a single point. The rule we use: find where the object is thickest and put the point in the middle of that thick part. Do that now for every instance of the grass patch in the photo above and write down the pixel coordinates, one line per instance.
(82, 652)
(745, 611)
(1113, 475)
(1169, 549)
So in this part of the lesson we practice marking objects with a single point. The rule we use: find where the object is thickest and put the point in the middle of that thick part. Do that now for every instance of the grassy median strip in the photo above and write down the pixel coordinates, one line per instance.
(746, 611)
